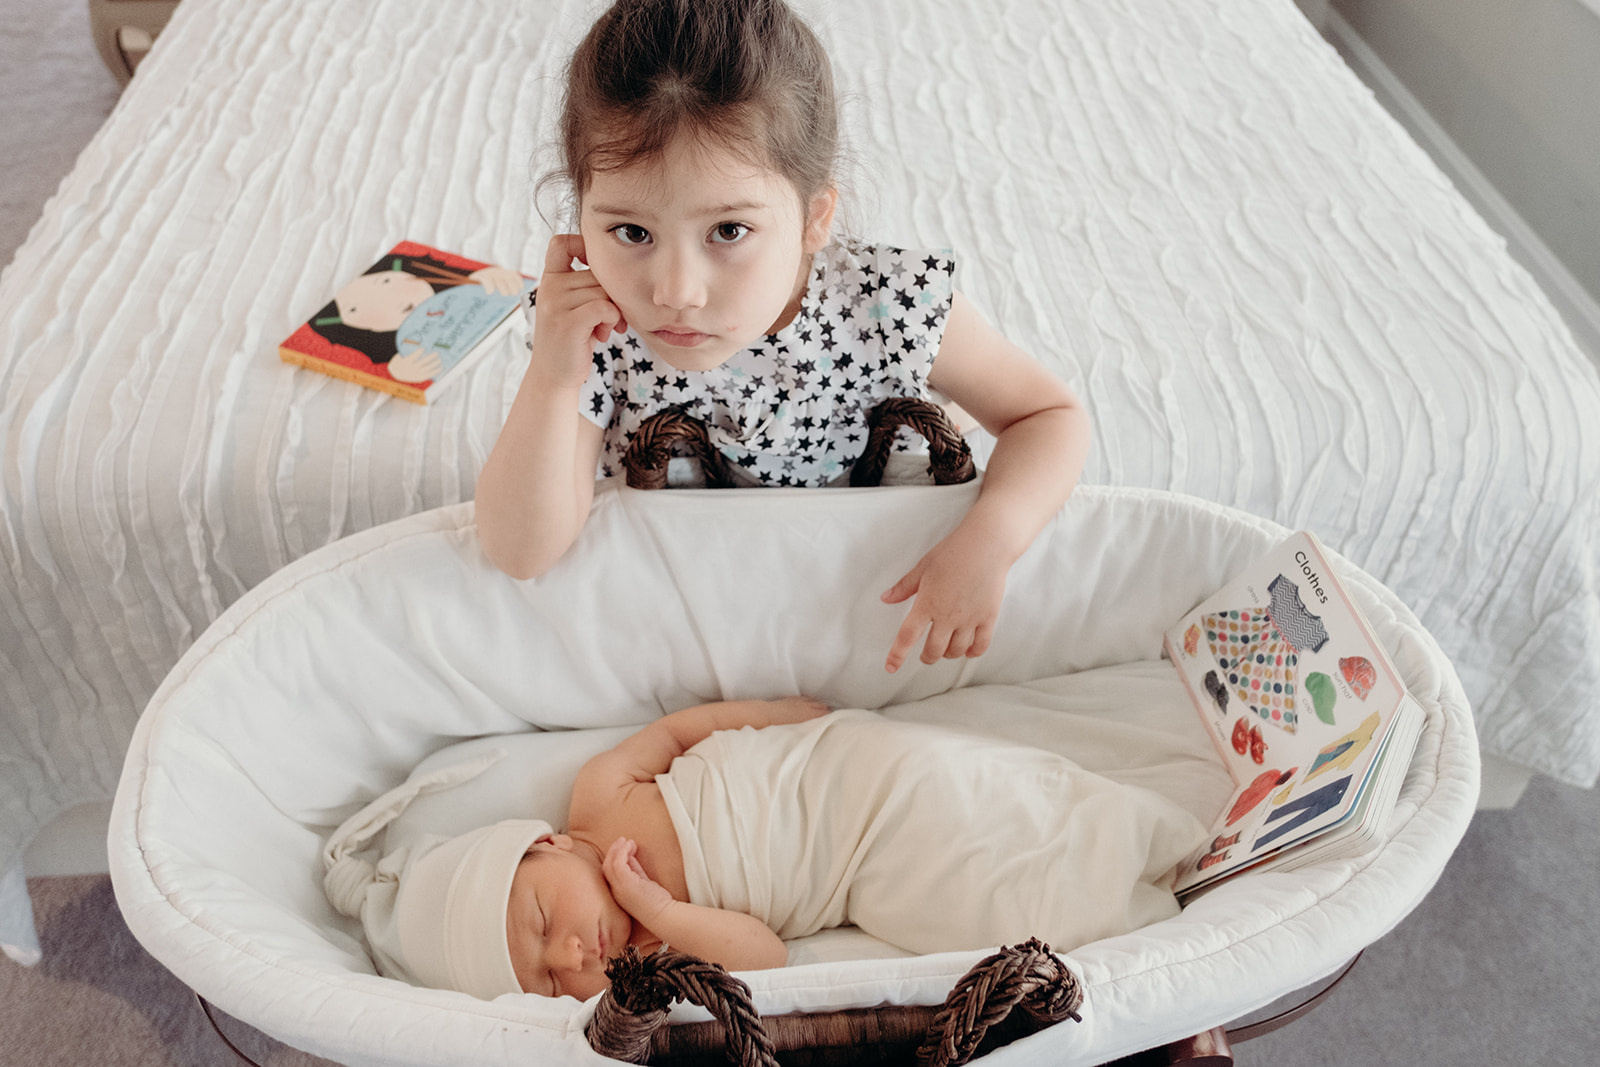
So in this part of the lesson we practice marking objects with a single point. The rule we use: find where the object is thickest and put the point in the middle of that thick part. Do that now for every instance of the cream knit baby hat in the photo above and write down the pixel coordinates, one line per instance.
(434, 911)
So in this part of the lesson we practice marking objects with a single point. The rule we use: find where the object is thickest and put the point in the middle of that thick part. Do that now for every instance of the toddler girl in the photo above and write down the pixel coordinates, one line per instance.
(700, 140)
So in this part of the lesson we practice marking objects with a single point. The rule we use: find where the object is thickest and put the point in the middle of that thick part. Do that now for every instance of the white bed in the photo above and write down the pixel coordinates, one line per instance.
(1192, 211)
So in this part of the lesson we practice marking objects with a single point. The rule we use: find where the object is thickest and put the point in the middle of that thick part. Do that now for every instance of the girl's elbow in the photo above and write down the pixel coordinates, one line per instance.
(521, 560)
(522, 570)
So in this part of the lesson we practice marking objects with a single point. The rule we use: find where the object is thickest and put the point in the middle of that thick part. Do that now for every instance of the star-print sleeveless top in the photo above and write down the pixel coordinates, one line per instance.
(791, 410)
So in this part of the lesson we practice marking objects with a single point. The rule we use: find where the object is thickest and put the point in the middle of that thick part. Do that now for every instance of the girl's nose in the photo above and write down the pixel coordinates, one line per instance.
(680, 282)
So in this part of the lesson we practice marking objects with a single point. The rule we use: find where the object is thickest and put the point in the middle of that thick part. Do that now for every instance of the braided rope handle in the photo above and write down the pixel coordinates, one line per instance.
(642, 988)
(673, 431)
(1028, 974)
(663, 435)
(949, 455)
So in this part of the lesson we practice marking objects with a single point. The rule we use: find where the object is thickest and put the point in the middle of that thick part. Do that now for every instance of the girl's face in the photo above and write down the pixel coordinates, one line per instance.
(701, 251)
(562, 923)
(381, 301)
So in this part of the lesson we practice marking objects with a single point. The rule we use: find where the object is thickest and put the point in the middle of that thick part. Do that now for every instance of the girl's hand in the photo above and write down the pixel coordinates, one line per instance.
(639, 894)
(958, 587)
(573, 312)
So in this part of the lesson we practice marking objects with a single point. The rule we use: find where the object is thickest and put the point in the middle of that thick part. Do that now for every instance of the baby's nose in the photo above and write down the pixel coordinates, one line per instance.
(570, 954)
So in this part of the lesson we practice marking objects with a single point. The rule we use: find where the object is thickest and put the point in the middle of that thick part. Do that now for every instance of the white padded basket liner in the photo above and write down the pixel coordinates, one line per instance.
(327, 683)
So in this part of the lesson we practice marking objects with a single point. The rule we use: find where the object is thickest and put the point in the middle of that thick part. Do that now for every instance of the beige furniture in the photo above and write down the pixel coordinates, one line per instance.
(124, 30)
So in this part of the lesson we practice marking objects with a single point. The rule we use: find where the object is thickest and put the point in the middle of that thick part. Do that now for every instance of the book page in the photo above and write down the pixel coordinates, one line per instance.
(1297, 696)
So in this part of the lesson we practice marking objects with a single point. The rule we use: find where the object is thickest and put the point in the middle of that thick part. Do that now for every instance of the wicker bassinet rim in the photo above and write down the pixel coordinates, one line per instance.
(674, 432)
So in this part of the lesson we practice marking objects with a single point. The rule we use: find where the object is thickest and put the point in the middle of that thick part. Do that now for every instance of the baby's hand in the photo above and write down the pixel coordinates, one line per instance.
(573, 312)
(958, 590)
(639, 894)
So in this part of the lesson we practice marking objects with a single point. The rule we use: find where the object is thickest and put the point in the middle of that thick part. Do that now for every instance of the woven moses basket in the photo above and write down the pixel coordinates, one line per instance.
(325, 685)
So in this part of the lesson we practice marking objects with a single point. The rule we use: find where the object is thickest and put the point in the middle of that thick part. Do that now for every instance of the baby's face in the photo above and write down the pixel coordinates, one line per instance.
(701, 251)
(562, 923)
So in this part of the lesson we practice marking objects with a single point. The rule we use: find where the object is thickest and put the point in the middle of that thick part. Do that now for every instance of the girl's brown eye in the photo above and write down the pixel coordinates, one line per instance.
(629, 234)
(728, 232)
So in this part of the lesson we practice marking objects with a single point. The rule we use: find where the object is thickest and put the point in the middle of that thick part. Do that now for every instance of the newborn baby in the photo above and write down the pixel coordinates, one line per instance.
(726, 829)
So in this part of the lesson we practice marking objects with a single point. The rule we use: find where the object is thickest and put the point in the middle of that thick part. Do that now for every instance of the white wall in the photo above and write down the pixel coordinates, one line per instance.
(1515, 84)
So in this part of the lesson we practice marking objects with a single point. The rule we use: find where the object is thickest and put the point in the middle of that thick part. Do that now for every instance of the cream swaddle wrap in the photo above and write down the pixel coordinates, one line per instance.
(929, 839)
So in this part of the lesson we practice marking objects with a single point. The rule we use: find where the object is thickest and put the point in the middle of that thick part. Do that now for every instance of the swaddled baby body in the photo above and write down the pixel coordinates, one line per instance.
(725, 829)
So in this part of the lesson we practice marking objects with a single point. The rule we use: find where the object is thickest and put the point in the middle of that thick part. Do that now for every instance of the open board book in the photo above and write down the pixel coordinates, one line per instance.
(1310, 717)
(411, 323)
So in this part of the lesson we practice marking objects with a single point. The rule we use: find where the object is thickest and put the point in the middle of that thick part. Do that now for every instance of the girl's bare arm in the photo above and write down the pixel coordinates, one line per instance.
(1042, 440)
(535, 489)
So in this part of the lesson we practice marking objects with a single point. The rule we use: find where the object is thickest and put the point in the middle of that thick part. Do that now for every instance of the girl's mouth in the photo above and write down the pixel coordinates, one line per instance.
(680, 338)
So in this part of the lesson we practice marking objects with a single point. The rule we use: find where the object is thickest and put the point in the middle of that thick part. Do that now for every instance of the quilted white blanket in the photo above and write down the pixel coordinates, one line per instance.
(1188, 208)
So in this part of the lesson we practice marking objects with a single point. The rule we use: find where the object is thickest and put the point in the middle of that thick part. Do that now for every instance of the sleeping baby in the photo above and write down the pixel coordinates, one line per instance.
(726, 829)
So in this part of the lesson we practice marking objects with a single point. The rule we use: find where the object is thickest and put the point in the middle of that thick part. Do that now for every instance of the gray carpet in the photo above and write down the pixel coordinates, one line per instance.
(54, 94)
(1501, 965)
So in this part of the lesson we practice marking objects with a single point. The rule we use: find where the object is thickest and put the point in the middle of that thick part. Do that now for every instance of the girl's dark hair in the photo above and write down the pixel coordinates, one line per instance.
(743, 74)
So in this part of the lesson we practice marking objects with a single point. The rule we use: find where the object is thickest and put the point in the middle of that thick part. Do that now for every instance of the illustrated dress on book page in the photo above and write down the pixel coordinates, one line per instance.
(1258, 651)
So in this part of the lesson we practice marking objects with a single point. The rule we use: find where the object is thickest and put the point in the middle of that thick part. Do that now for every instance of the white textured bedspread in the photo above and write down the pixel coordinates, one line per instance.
(1189, 208)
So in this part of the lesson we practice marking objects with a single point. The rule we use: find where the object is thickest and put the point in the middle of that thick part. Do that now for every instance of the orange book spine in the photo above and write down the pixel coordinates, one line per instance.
(350, 374)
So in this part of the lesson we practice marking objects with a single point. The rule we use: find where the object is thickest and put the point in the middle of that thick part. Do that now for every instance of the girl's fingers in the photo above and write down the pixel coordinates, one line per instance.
(910, 630)
(611, 321)
(905, 587)
(561, 251)
(960, 643)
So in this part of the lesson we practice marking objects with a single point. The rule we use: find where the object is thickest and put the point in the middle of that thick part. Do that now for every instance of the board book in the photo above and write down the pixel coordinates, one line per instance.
(411, 323)
(1308, 713)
